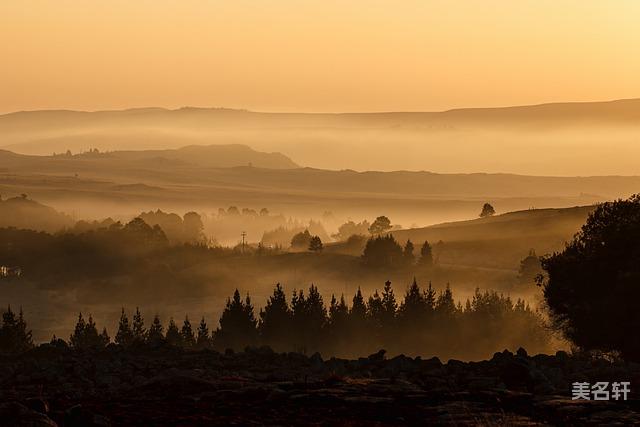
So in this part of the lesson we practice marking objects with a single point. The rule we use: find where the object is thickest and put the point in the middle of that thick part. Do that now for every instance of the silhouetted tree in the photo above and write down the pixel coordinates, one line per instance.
(592, 287)
(188, 337)
(311, 315)
(530, 268)
(155, 335)
(238, 326)
(139, 332)
(85, 335)
(14, 335)
(381, 225)
(407, 253)
(487, 210)
(203, 339)
(173, 336)
(350, 228)
(275, 321)
(124, 336)
(301, 240)
(315, 244)
(193, 228)
(426, 255)
(383, 252)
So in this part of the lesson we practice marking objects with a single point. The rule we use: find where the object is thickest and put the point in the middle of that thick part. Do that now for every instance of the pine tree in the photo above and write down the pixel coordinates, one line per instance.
(203, 340)
(139, 332)
(77, 337)
(358, 309)
(188, 338)
(104, 337)
(407, 253)
(91, 337)
(124, 336)
(315, 244)
(445, 306)
(426, 255)
(173, 334)
(238, 326)
(275, 321)
(155, 335)
(389, 304)
(14, 336)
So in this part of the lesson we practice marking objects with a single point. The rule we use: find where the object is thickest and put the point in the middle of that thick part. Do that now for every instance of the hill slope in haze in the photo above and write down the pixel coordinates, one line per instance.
(594, 138)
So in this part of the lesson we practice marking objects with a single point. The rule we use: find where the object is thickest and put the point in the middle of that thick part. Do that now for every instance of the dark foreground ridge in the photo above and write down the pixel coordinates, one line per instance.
(168, 386)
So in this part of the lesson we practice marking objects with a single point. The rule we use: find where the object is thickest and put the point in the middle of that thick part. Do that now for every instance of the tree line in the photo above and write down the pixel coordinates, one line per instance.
(424, 322)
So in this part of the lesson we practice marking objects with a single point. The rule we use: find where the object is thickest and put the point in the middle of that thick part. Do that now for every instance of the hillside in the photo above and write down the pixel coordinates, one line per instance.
(503, 240)
(592, 138)
(20, 212)
(127, 182)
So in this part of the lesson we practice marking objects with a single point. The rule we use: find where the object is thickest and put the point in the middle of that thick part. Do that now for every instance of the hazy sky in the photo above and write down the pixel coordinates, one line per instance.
(315, 55)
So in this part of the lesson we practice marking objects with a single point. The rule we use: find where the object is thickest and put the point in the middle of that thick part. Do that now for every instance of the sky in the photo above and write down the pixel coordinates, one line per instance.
(315, 55)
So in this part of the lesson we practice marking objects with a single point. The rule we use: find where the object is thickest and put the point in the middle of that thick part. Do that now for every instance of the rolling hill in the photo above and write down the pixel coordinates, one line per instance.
(593, 138)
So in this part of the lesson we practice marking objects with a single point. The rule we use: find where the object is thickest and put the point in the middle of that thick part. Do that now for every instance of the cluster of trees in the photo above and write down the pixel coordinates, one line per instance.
(14, 335)
(85, 334)
(423, 322)
(188, 229)
(592, 286)
(134, 249)
(305, 241)
(383, 251)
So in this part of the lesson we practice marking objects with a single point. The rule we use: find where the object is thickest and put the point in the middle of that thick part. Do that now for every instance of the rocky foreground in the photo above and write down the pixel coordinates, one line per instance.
(51, 386)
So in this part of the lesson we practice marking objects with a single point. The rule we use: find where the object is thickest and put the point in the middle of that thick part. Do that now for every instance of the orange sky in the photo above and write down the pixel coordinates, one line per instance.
(315, 55)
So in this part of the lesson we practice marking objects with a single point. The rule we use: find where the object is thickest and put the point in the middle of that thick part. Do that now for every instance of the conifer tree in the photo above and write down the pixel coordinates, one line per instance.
(77, 337)
(91, 337)
(389, 304)
(139, 332)
(104, 337)
(407, 253)
(14, 336)
(124, 336)
(358, 309)
(275, 321)
(188, 337)
(426, 255)
(173, 334)
(238, 326)
(155, 335)
(203, 340)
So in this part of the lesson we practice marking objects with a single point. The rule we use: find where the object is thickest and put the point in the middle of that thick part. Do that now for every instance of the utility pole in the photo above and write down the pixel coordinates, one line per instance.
(244, 234)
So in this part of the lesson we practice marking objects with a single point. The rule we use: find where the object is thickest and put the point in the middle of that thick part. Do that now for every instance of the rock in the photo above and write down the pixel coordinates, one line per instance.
(78, 416)
(14, 414)
(37, 404)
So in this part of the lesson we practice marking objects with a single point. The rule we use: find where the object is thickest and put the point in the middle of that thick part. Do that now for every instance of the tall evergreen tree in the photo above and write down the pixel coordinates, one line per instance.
(188, 337)
(238, 326)
(139, 331)
(173, 334)
(124, 336)
(358, 310)
(156, 332)
(407, 253)
(426, 255)
(389, 305)
(275, 321)
(77, 337)
(104, 337)
(203, 339)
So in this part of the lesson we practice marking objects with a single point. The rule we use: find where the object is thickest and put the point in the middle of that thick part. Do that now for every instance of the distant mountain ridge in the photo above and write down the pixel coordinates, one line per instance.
(212, 156)
(568, 139)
